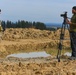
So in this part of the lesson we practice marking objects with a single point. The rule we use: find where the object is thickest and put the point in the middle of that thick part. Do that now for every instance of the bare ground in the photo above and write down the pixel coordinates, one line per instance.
(27, 40)
(37, 66)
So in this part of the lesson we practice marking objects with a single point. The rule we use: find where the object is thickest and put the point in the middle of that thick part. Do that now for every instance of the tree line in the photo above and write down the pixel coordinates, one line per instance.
(23, 24)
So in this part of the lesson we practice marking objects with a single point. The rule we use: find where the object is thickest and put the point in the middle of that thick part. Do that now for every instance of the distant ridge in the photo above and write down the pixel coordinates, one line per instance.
(50, 25)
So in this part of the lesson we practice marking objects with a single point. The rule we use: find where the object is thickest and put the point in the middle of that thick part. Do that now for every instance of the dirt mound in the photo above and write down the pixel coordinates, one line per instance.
(49, 67)
(13, 34)
(57, 34)
(29, 39)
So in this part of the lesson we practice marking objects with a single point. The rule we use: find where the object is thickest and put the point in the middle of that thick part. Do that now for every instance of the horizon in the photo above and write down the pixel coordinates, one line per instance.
(31, 21)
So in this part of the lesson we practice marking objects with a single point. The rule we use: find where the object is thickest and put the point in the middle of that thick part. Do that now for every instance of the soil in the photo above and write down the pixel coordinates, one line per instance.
(27, 40)
(37, 66)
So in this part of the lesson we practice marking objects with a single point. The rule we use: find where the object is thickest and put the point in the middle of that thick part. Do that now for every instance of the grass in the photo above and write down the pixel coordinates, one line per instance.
(55, 51)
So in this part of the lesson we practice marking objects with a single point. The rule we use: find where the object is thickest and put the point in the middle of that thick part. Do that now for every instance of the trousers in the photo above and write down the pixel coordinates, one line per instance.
(73, 42)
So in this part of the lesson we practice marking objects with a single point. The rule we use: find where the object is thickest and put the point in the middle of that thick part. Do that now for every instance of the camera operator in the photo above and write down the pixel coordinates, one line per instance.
(72, 25)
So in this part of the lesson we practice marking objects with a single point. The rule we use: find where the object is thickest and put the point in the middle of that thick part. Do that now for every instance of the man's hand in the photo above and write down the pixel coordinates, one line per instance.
(68, 22)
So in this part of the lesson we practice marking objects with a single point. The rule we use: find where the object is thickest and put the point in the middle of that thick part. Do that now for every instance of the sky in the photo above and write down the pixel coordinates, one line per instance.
(46, 11)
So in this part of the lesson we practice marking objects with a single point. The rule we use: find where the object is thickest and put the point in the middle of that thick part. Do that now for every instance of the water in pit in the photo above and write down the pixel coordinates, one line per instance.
(67, 54)
(30, 55)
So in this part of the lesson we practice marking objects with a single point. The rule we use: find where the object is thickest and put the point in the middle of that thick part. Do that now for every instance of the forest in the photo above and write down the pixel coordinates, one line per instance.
(23, 24)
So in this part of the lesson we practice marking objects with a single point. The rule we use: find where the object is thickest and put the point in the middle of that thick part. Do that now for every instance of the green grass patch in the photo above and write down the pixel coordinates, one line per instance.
(55, 51)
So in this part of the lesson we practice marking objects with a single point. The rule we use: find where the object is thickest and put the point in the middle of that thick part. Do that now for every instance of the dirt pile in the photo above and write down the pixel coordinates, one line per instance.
(29, 39)
(51, 67)
(57, 34)
(13, 34)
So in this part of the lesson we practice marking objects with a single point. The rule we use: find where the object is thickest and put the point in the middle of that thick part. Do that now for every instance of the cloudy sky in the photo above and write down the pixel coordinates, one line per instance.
(47, 11)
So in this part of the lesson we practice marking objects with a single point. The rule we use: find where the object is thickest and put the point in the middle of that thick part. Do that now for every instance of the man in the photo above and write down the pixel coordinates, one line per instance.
(72, 24)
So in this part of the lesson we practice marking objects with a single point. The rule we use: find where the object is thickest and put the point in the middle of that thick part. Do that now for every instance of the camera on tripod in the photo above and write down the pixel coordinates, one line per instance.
(62, 34)
(64, 15)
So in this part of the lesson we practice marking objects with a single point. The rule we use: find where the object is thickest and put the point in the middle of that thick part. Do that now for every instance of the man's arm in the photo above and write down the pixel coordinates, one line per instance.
(70, 23)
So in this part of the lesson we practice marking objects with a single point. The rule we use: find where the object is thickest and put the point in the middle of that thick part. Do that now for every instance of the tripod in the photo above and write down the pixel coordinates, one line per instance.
(64, 26)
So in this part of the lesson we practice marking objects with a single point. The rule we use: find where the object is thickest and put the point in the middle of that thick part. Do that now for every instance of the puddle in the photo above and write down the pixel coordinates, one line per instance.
(30, 55)
(67, 54)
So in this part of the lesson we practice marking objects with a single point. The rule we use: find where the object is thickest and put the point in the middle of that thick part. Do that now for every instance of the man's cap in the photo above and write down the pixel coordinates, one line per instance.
(74, 7)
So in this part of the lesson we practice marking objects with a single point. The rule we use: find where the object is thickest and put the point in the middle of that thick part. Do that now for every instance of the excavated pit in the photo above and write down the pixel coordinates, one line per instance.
(32, 40)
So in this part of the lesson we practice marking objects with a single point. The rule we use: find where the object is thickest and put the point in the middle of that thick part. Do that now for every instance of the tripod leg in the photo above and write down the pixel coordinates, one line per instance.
(61, 42)
(59, 51)
(58, 55)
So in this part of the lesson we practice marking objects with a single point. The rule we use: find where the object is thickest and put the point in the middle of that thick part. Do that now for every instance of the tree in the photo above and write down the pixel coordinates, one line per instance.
(24, 24)
(40, 25)
(8, 24)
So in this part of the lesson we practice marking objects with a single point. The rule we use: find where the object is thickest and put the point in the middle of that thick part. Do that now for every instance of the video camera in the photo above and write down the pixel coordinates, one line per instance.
(64, 15)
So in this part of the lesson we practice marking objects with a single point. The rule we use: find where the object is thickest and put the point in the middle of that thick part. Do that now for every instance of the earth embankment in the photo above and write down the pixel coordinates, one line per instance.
(29, 39)
(26, 40)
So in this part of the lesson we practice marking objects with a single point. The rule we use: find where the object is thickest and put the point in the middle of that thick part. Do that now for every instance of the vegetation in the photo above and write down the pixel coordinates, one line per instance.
(23, 24)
